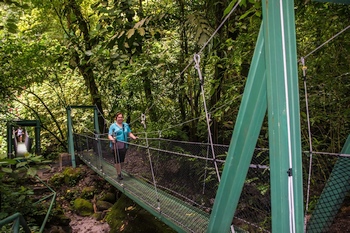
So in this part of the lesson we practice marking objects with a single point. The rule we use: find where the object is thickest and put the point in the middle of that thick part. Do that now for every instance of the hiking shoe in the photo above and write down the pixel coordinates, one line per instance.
(120, 177)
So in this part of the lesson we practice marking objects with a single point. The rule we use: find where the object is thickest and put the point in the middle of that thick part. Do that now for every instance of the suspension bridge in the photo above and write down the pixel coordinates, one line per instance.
(203, 187)
(273, 178)
(176, 182)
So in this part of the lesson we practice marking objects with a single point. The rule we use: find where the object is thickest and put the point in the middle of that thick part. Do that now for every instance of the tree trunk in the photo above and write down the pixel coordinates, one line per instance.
(82, 62)
(219, 71)
(184, 52)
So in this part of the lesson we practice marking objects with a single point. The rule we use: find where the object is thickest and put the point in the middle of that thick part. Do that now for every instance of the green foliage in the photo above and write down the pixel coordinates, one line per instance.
(28, 165)
(135, 59)
(123, 56)
(70, 176)
(88, 192)
(71, 195)
(15, 192)
(83, 207)
(126, 212)
(326, 73)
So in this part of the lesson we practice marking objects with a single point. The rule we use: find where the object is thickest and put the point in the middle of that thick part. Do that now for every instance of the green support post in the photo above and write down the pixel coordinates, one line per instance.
(70, 136)
(96, 126)
(37, 138)
(70, 129)
(283, 116)
(9, 140)
(97, 136)
(275, 57)
(333, 194)
(245, 134)
(25, 123)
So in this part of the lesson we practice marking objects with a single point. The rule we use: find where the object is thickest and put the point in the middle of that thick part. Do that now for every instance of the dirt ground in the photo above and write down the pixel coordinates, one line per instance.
(87, 225)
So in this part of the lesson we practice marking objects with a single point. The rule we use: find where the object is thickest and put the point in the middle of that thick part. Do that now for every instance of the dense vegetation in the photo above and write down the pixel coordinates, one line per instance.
(132, 56)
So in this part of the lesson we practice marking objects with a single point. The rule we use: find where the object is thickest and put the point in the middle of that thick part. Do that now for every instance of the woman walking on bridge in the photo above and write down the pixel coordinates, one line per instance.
(19, 133)
(118, 134)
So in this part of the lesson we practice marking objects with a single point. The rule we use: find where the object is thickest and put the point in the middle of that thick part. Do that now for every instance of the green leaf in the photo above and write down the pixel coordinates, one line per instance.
(32, 171)
(21, 164)
(229, 8)
(11, 27)
(6, 170)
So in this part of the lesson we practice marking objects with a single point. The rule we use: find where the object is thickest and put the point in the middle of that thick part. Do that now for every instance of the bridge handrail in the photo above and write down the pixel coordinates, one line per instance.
(18, 220)
(19, 216)
(53, 194)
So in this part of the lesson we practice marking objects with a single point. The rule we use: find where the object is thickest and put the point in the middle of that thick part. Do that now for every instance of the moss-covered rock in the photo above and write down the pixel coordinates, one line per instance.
(127, 217)
(99, 216)
(70, 176)
(109, 197)
(88, 192)
(71, 194)
(103, 205)
(83, 207)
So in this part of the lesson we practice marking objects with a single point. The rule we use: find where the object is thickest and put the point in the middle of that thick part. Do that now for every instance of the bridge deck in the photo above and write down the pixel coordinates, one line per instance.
(176, 213)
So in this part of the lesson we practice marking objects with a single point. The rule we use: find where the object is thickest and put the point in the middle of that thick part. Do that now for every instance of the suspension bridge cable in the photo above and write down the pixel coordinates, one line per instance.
(212, 35)
(310, 143)
(200, 117)
(143, 121)
(219, 27)
(330, 39)
(304, 68)
(205, 168)
(197, 62)
(105, 121)
(203, 47)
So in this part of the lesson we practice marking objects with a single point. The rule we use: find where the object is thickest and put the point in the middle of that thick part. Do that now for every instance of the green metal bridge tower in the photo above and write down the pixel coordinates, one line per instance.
(272, 87)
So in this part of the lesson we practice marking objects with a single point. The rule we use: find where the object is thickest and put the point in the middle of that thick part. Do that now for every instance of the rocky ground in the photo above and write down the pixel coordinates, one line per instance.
(135, 164)
(78, 224)
(87, 225)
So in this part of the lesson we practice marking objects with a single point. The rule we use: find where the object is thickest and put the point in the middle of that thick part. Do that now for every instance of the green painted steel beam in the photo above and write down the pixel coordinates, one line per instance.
(333, 195)
(37, 138)
(26, 122)
(17, 220)
(70, 128)
(83, 106)
(247, 128)
(278, 45)
(9, 140)
(283, 116)
(70, 136)
(35, 123)
(96, 126)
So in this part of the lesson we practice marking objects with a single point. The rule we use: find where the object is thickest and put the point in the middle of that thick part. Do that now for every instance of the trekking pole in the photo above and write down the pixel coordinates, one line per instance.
(116, 152)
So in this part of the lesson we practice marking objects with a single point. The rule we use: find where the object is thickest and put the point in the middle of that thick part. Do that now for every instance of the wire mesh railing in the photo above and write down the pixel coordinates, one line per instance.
(96, 153)
(186, 170)
(329, 192)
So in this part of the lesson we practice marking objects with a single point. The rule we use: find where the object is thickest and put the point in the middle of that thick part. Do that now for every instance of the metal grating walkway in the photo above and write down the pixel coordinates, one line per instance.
(176, 213)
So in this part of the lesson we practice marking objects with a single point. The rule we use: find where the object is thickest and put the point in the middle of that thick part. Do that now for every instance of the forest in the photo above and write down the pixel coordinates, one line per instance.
(137, 57)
